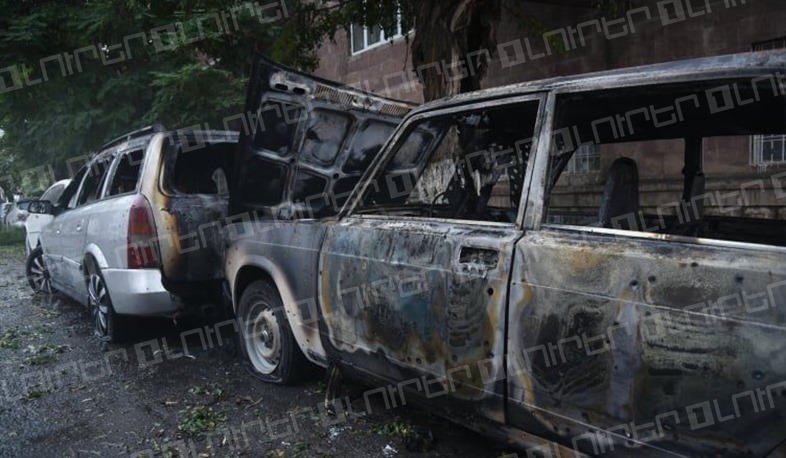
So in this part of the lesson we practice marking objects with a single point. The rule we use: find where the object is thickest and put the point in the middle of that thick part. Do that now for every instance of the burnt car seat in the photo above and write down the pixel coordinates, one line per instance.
(619, 206)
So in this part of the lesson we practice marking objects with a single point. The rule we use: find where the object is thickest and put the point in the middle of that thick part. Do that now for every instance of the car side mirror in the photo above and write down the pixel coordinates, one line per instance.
(41, 207)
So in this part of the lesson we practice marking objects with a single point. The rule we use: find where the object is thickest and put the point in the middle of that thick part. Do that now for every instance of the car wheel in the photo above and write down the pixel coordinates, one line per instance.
(37, 273)
(107, 325)
(266, 338)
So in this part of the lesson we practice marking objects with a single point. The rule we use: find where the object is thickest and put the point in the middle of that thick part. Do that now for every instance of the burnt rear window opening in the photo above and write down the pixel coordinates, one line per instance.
(203, 170)
(671, 159)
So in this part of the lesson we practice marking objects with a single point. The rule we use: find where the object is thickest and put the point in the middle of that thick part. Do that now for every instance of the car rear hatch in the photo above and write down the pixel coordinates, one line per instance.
(192, 203)
(307, 143)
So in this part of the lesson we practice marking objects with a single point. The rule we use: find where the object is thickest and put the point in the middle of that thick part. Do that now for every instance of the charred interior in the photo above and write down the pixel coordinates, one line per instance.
(644, 123)
(458, 166)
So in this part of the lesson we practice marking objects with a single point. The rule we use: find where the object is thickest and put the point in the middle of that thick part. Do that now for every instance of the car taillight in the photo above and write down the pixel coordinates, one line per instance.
(142, 250)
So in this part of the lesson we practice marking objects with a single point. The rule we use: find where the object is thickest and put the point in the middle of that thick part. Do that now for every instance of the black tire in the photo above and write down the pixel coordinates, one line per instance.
(38, 276)
(266, 339)
(108, 326)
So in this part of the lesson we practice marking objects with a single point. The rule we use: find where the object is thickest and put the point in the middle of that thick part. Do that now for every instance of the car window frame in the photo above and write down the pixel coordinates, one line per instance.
(118, 156)
(536, 211)
(78, 181)
(377, 167)
(108, 157)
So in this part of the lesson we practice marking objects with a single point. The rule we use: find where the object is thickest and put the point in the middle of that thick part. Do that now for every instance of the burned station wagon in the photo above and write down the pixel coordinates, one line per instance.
(582, 265)
(136, 231)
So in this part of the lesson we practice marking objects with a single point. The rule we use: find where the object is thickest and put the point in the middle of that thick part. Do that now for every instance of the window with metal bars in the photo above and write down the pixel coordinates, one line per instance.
(586, 159)
(768, 150)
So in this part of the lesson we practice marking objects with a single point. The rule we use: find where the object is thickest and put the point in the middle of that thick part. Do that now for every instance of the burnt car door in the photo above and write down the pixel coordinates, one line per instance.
(413, 282)
(653, 325)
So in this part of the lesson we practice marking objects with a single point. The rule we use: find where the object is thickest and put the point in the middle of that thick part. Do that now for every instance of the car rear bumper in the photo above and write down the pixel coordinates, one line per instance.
(139, 292)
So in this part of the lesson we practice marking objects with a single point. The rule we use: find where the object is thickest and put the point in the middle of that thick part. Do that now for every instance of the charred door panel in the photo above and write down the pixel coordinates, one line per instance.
(658, 343)
(420, 304)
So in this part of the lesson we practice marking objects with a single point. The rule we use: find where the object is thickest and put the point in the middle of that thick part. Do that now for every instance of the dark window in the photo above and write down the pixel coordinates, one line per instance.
(126, 176)
(461, 166)
(204, 170)
(69, 197)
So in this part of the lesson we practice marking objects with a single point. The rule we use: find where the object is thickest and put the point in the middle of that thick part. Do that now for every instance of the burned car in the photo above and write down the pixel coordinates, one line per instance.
(133, 232)
(588, 265)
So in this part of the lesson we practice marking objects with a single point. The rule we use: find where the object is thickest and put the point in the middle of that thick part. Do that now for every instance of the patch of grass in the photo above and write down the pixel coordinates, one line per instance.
(199, 420)
(11, 235)
(32, 395)
(10, 339)
(393, 428)
(315, 388)
(44, 354)
(207, 391)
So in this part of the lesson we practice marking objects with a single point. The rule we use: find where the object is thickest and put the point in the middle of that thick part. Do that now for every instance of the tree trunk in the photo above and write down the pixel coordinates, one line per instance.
(451, 50)
(453, 43)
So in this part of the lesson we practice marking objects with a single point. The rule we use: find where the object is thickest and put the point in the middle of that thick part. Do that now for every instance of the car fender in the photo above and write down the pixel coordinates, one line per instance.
(304, 329)
(93, 250)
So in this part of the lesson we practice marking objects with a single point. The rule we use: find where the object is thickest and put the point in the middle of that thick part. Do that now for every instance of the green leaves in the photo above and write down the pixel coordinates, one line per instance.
(108, 70)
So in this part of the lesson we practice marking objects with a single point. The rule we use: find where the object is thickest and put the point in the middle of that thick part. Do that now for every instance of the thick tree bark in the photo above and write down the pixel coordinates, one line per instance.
(454, 40)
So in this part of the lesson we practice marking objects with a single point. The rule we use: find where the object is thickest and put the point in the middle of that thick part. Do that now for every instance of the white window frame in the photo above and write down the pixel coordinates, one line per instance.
(758, 142)
(584, 151)
(382, 41)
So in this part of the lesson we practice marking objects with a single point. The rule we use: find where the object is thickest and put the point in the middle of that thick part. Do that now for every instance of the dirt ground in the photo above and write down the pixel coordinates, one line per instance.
(65, 393)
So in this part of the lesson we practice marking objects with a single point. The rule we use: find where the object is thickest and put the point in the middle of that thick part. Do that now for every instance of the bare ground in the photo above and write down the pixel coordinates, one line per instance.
(65, 393)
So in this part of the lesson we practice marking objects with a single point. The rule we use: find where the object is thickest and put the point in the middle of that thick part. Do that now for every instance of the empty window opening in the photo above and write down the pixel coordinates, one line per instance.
(126, 176)
(466, 166)
(673, 159)
(203, 170)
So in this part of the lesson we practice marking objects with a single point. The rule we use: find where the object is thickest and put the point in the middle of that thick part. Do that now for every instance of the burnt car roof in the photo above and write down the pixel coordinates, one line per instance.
(730, 65)
(140, 137)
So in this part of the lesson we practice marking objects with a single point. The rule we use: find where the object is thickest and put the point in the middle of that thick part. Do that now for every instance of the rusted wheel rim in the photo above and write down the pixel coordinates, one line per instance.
(99, 304)
(39, 275)
(263, 338)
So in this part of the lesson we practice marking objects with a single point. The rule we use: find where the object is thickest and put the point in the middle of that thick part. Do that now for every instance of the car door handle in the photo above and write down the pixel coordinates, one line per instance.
(482, 256)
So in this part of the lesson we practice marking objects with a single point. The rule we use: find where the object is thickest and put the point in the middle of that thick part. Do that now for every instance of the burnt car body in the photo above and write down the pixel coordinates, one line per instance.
(453, 277)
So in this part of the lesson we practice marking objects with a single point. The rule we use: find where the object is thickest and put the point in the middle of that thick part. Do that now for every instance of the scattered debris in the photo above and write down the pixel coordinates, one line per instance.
(33, 394)
(199, 420)
(389, 451)
(44, 354)
(10, 339)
